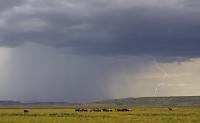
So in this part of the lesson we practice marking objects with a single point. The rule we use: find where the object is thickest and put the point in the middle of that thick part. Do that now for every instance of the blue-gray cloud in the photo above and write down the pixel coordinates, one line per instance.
(122, 47)
(7, 4)
(115, 27)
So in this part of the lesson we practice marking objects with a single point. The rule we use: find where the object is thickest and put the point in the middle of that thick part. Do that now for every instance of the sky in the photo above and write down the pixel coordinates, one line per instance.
(89, 50)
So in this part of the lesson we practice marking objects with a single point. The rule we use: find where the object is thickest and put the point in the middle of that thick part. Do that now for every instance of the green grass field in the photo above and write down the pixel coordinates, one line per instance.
(138, 115)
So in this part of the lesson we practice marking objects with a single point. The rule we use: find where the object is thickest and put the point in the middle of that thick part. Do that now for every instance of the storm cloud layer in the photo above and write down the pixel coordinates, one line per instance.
(86, 50)
(102, 27)
(35, 72)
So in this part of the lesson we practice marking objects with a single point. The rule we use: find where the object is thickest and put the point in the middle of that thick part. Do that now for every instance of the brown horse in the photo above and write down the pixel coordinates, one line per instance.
(107, 110)
(123, 110)
(81, 110)
(26, 111)
(170, 109)
(95, 110)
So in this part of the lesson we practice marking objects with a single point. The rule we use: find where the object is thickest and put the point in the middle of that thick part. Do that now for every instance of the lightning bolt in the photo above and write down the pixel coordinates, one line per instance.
(165, 75)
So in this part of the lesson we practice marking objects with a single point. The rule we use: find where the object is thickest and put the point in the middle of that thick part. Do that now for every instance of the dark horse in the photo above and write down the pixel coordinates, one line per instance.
(81, 110)
(95, 110)
(170, 109)
(26, 111)
(123, 110)
(107, 110)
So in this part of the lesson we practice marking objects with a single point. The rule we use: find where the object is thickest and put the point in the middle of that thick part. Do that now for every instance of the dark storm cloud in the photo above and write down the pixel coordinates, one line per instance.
(191, 3)
(95, 27)
(7, 4)
(41, 73)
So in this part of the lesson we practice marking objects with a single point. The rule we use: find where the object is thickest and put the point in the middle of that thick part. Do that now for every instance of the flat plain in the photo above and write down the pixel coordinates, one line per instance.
(68, 115)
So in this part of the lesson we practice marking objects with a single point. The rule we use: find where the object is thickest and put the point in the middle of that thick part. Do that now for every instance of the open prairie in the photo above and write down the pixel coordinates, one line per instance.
(68, 115)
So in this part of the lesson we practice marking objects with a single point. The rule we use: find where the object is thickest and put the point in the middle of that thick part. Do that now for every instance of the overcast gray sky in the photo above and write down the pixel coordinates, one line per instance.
(86, 50)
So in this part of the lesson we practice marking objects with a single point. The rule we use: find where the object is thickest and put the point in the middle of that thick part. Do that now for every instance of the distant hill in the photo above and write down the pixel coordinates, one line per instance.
(5, 103)
(142, 101)
(153, 101)
(18, 103)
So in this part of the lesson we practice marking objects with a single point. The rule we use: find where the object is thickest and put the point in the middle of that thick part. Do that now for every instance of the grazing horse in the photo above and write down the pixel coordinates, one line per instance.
(123, 110)
(81, 110)
(107, 110)
(26, 111)
(77, 110)
(170, 109)
(95, 110)
(84, 110)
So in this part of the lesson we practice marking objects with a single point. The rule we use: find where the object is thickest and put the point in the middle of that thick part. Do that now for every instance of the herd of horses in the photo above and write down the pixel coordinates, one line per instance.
(103, 110)
(109, 110)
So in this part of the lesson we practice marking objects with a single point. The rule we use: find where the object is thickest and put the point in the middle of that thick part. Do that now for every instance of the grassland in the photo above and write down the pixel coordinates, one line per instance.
(138, 115)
